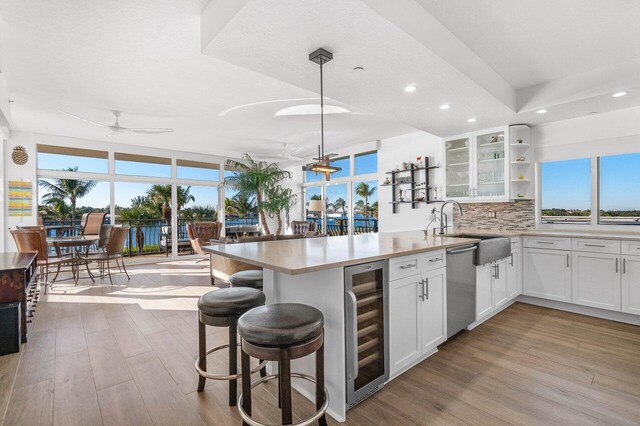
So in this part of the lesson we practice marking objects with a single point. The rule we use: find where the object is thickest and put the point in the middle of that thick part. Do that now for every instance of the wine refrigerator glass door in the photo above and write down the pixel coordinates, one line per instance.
(367, 331)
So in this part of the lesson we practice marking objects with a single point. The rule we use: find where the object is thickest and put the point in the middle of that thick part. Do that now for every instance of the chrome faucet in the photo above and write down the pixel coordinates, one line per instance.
(444, 224)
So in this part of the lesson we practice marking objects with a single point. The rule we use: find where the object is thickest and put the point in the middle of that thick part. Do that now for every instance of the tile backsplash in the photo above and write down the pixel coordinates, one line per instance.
(516, 215)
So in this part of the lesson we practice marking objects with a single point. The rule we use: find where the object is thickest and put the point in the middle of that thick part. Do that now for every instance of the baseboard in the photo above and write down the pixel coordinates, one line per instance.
(584, 310)
(500, 309)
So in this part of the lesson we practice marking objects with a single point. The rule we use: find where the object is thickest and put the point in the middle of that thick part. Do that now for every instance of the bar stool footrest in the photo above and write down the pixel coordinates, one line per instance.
(305, 422)
(211, 376)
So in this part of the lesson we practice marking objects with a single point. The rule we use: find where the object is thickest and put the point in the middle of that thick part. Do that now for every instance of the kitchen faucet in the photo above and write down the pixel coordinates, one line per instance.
(444, 224)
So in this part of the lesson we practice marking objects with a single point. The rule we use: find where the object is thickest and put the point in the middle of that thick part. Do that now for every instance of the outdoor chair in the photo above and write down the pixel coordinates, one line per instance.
(112, 251)
(92, 223)
(166, 240)
(35, 241)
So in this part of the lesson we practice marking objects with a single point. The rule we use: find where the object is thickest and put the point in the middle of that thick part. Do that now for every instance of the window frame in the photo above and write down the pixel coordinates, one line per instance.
(595, 223)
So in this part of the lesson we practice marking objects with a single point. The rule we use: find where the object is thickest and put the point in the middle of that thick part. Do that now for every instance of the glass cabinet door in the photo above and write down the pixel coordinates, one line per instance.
(457, 155)
(490, 165)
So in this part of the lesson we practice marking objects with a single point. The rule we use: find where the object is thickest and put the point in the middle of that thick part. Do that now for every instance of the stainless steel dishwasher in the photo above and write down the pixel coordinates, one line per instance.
(461, 288)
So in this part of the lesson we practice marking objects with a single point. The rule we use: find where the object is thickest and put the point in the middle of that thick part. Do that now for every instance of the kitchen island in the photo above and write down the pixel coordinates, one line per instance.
(312, 271)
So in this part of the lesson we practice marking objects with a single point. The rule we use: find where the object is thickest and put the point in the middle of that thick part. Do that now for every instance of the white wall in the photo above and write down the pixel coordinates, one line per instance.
(12, 171)
(611, 133)
(392, 153)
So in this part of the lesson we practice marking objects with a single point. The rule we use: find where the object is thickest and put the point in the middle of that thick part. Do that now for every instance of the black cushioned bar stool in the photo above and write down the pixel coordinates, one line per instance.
(249, 278)
(282, 332)
(222, 308)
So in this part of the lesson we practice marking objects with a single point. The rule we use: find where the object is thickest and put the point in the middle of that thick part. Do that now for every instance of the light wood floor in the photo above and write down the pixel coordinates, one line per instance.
(124, 355)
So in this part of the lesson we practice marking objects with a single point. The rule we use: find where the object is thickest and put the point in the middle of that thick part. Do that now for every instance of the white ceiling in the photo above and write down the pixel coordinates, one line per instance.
(497, 60)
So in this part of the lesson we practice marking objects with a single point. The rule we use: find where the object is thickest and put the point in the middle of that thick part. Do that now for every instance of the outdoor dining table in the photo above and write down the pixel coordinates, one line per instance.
(238, 231)
(61, 230)
(75, 246)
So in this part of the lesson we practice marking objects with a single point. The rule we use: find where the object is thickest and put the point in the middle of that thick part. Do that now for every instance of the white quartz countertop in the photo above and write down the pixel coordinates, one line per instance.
(313, 254)
(564, 233)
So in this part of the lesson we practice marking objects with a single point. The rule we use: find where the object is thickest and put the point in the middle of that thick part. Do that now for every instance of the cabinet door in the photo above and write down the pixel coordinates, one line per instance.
(484, 292)
(547, 274)
(490, 164)
(458, 166)
(404, 322)
(514, 275)
(631, 284)
(500, 291)
(433, 309)
(596, 280)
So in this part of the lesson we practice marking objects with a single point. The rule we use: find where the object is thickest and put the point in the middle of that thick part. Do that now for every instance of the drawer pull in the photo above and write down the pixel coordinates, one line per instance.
(413, 265)
(437, 259)
(568, 260)
(545, 242)
(595, 245)
(617, 262)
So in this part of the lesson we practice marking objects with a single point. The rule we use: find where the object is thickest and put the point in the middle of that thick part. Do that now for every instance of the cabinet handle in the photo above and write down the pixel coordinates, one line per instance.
(568, 260)
(497, 271)
(421, 289)
(595, 245)
(617, 260)
(413, 265)
(545, 242)
(511, 261)
(624, 265)
(426, 288)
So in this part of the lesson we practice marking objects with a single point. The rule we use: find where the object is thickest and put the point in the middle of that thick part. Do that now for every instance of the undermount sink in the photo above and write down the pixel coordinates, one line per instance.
(490, 247)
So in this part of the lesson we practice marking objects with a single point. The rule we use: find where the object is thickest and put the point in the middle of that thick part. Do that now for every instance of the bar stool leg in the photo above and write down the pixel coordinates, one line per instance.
(285, 386)
(246, 384)
(233, 360)
(322, 421)
(202, 351)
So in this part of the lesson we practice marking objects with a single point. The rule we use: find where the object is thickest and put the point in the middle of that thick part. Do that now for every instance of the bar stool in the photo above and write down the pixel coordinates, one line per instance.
(222, 308)
(282, 332)
(249, 278)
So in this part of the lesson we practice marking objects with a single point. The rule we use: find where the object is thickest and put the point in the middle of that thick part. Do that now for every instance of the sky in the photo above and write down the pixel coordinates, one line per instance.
(566, 184)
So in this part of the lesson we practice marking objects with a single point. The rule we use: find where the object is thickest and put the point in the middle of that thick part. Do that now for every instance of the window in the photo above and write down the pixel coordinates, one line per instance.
(337, 209)
(620, 189)
(72, 159)
(313, 177)
(365, 207)
(197, 170)
(366, 163)
(342, 163)
(566, 191)
(313, 193)
(195, 204)
(142, 165)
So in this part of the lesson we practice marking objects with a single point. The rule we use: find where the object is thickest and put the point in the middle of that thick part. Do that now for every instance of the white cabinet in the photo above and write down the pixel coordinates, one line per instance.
(596, 280)
(477, 166)
(433, 309)
(547, 274)
(491, 287)
(631, 284)
(500, 292)
(514, 274)
(417, 317)
(404, 322)
(484, 292)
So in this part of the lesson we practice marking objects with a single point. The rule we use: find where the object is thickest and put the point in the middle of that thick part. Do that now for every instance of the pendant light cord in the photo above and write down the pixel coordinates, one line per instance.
(321, 111)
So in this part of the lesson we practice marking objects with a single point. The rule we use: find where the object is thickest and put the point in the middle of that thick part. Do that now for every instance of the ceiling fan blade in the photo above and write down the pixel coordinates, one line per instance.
(149, 131)
(84, 119)
(295, 151)
(269, 158)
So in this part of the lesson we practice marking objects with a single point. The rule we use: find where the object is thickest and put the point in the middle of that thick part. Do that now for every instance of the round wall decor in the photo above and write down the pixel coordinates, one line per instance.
(19, 155)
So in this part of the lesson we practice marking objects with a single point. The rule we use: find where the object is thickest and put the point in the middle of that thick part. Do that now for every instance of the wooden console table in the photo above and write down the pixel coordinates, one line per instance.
(18, 284)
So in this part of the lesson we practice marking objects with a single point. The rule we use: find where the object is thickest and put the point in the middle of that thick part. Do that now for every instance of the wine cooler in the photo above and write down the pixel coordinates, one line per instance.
(367, 331)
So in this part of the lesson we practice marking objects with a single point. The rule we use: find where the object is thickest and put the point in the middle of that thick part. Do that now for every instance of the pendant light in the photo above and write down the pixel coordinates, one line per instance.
(323, 161)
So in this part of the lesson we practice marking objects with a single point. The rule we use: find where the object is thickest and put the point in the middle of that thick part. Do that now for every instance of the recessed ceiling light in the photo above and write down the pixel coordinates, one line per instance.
(410, 88)
(541, 111)
(472, 120)
(619, 94)
(445, 106)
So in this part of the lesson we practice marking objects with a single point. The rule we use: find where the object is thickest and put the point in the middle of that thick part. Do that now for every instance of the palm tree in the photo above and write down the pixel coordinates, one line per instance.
(67, 189)
(55, 208)
(240, 204)
(279, 199)
(340, 204)
(365, 191)
(135, 216)
(255, 178)
(160, 196)
(359, 206)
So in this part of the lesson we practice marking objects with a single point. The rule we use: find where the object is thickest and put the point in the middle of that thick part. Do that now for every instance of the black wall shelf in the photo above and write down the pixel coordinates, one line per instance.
(415, 180)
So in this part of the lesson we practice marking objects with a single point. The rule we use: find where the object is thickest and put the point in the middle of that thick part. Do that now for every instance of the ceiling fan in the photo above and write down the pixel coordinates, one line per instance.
(117, 129)
(285, 154)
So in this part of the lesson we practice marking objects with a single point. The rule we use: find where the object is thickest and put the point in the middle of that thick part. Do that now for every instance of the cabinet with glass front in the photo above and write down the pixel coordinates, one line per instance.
(477, 166)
